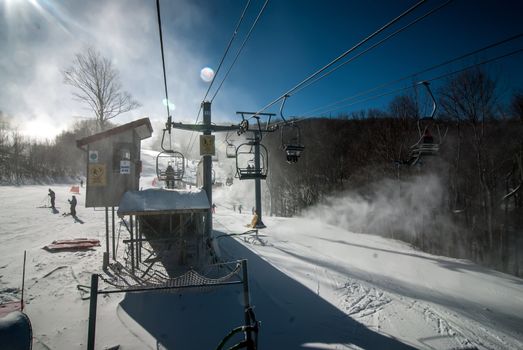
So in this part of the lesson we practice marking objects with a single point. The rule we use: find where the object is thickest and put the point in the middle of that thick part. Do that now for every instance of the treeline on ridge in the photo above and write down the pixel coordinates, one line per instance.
(479, 215)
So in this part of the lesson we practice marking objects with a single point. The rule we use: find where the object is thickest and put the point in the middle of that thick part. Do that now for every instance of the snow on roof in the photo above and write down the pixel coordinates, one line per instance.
(160, 201)
(142, 127)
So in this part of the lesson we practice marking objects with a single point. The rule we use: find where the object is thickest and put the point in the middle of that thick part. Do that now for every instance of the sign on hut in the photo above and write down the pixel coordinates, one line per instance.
(113, 162)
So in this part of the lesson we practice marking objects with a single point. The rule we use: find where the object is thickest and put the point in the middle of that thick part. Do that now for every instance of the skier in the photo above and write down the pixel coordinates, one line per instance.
(240, 208)
(72, 202)
(52, 196)
(213, 208)
(169, 176)
(234, 208)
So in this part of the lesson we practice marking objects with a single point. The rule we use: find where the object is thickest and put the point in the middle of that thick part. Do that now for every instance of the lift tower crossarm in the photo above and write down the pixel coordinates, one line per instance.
(203, 127)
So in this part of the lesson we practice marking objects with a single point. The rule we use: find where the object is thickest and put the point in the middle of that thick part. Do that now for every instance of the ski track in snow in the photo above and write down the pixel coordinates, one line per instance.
(385, 311)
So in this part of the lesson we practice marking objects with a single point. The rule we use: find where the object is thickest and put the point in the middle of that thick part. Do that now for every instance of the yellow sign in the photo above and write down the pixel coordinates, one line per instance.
(207, 145)
(97, 176)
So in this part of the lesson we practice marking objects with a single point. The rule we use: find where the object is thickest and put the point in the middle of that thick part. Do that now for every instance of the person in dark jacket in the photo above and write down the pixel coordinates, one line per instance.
(72, 202)
(52, 196)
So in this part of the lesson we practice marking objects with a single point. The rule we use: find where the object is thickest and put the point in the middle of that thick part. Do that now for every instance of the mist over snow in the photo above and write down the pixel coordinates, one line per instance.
(39, 40)
(388, 206)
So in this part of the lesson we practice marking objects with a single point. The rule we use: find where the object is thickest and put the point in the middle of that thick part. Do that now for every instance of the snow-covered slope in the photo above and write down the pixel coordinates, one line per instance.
(424, 300)
(314, 286)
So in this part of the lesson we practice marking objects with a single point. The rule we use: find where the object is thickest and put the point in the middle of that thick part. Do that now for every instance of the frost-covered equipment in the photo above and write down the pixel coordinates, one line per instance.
(427, 144)
(290, 138)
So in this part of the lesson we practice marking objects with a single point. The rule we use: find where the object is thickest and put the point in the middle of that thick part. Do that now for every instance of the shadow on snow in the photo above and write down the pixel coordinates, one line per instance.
(291, 315)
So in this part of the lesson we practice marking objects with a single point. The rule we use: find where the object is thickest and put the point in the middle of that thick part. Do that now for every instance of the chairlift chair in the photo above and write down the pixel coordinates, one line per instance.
(290, 137)
(291, 141)
(230, 150)
(245, 165)
(426, 145)
(170, 167)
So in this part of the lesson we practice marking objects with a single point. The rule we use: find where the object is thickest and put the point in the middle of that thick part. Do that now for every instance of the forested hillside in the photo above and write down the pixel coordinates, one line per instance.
(465, 202)
(25, 160)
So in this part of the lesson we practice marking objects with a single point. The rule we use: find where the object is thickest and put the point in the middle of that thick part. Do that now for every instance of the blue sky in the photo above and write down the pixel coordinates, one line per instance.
(38, 39)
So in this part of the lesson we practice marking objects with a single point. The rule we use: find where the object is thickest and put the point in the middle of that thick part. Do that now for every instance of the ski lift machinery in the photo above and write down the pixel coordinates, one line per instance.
(290, 137)
(170, 164)
(426, 144)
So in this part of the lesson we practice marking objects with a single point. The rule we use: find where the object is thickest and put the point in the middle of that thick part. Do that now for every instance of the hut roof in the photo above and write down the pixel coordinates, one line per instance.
(161, 201)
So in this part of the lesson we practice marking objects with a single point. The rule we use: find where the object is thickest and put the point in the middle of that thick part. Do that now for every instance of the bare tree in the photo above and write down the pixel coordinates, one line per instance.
(517, 106)
(98, 85)
(471, 97)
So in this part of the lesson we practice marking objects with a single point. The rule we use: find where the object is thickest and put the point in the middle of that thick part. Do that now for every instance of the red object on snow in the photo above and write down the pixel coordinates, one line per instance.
(72, 244)
(9, 307)
(75, 189)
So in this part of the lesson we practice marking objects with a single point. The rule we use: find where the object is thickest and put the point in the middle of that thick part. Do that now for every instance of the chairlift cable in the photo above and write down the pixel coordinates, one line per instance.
(163, 57)
(240, 49)
(343, 55)
(373, 46)
(235, 32)
(446, 75)
(439, 65)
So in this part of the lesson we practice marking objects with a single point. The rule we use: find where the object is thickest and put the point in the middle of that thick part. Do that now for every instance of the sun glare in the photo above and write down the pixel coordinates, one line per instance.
(41, 128)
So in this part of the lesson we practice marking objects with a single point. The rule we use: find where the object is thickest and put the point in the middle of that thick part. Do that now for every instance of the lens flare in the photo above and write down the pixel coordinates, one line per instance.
(207, 74)
(169, 104)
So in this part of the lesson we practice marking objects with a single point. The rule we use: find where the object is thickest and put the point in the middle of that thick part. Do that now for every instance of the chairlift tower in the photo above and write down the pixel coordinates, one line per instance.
(259, 171)
(207, 151)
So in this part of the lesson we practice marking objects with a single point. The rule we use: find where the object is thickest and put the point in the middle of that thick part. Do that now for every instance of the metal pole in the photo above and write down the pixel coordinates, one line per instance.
(246, 299)
(114, 245)
(132, 242)
(93, 298)
(257, 181)
(139, 237)
(23, 284)
(137, 229)
(107, 230)
(207, 168)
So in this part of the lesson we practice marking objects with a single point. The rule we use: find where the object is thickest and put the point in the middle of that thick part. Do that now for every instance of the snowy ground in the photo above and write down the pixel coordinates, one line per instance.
(314, 286)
